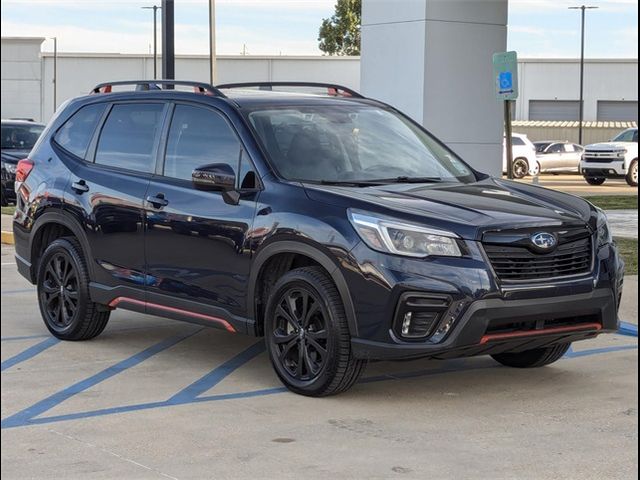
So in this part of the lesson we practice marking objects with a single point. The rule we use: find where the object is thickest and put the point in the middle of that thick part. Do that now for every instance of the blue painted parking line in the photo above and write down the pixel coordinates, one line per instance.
(13, 292)
(217, 374)
(29, 353)
(28, 417)
(597, 351)
(25, 416)
(24, 337)
(628, 329)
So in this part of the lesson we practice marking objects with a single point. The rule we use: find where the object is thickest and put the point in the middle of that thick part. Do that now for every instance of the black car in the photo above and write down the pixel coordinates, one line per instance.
(18, 138)
(331, 224)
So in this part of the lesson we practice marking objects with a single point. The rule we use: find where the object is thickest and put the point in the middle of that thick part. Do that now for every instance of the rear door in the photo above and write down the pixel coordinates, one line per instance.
(571, 157)
(197, 242)
(108, 188)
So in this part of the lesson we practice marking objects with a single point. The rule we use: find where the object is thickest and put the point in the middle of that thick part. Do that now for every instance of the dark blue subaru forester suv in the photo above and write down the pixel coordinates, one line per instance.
(331, 224)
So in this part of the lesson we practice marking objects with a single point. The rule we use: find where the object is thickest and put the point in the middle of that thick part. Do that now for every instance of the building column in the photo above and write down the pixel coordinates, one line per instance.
(432, 59)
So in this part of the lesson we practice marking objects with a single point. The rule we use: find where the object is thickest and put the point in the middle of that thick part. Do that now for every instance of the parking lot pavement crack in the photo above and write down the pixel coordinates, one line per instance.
(112, 453)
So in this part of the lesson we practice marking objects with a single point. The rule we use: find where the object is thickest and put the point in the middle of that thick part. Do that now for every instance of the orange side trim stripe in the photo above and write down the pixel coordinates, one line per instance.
(227, 326)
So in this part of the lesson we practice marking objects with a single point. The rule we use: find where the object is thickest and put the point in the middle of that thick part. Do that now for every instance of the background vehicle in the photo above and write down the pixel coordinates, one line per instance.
(332, 225)
(18, 138)
(615, 159)
(524, 157)
(558, 157)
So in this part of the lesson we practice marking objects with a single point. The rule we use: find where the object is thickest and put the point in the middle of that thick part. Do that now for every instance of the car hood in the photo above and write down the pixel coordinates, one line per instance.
(466, 209)
(596, 147)
(14, 156)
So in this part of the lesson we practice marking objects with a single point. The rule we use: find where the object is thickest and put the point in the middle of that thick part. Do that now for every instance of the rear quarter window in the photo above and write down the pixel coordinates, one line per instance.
(76, 133)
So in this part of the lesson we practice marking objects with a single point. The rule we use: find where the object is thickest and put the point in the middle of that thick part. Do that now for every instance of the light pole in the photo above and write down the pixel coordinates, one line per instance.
(212, 42)
(55, 73)
(155, 9)
(583, 8)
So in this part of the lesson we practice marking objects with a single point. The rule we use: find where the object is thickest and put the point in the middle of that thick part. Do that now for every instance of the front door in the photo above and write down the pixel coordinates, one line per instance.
(196, 242)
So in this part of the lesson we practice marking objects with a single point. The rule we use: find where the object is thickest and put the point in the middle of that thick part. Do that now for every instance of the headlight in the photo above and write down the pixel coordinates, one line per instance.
(604, 233)
(621, 153)
(386, 235)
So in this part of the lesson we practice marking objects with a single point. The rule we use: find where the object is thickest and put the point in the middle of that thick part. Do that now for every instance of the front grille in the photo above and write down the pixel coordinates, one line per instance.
(601, 156)
(517, 263)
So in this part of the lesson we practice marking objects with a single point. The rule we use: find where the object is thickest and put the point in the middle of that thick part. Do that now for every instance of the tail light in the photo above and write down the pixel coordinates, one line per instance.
(23, 169)
(22, 172)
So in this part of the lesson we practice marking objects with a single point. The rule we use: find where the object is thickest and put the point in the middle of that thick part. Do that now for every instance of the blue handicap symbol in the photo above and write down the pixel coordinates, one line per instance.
(506, 80)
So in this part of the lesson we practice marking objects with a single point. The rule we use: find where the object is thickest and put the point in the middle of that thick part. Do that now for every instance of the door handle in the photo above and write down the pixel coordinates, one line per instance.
(80, 187)
(158, 201)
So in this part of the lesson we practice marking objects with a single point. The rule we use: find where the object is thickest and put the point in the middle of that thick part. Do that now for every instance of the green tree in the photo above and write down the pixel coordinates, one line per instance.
(340, 34)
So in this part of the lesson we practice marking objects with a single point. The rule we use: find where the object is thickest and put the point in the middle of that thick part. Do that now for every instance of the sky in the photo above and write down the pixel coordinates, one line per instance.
(537, 28)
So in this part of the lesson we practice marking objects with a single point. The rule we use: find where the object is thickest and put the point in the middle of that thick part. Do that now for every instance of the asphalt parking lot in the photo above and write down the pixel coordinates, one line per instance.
(152, 398)
(576, 185)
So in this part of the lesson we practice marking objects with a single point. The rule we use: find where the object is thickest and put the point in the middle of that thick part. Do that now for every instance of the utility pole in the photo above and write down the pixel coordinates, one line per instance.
(155, 9)
(168, 41)
(55, 73)
(212, 42)
(583, 8)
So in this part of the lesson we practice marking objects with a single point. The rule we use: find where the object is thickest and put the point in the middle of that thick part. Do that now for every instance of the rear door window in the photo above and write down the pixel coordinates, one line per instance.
(128, 137)
(75, 135)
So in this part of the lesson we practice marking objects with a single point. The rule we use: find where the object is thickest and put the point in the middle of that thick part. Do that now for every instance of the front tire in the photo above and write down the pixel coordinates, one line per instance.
(632, 174)
(63, 293)
(307, 335)
(533, 358)
(595, 180)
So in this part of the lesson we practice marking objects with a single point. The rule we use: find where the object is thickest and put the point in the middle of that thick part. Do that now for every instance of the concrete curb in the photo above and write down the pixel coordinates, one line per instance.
(7, 238)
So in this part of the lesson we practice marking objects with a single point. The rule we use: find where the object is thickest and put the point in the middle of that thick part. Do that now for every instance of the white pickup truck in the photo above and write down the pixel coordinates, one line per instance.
(615, 159)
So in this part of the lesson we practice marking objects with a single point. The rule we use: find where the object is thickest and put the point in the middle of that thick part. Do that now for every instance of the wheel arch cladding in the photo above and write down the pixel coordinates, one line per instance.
(50, 226)
(284, 256)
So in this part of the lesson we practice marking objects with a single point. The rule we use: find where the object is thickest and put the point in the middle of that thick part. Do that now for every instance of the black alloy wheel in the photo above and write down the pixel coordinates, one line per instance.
(307, 334)
(63, 293)
(520, 168)
(300, 335)
(59, 290)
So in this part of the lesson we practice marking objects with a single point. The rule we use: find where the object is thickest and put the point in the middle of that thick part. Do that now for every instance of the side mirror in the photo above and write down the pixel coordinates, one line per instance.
(216, 176)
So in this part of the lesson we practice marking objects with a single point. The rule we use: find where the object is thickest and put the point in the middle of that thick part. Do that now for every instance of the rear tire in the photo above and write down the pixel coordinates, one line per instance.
(520, 168)
(595, 180)
(63, 293)
(307, 335)
(533, 358)
(632, 174)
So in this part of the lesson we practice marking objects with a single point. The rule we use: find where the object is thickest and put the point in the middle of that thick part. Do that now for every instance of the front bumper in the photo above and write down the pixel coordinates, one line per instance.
(472, 333)
(483, 315)
(613, 169)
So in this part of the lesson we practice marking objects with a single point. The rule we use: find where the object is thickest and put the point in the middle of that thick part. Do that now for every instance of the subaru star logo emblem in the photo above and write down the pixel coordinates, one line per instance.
(544, 240)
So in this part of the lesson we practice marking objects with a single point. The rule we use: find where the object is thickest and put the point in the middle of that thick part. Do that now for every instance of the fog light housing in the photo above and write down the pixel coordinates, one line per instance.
(418, 315)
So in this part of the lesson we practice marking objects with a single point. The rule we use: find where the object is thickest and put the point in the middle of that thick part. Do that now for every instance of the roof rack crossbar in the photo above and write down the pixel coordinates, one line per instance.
(143, 85)
(333, 89)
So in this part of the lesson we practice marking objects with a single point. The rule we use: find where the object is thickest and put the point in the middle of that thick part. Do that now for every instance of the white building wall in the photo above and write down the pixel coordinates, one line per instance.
(21, 77)
(559, 79)
(27, 75)
(79, 73)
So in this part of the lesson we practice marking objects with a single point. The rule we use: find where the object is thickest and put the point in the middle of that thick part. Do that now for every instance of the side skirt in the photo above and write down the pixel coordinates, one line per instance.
(166, 306)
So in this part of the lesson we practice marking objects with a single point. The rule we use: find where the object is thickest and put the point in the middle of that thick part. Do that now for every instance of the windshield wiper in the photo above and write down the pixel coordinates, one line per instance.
(352, 183)
(405, 179)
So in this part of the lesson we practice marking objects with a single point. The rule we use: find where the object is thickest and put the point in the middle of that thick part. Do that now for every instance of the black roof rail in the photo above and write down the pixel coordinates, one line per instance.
(146, 85)
(334, 90)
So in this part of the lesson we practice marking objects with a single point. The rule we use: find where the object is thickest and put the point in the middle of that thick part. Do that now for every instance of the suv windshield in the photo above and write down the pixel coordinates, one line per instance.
(353, 143)
(20, 137)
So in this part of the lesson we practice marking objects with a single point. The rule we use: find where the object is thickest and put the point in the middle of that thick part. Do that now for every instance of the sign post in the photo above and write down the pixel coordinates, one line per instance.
(505, 73)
